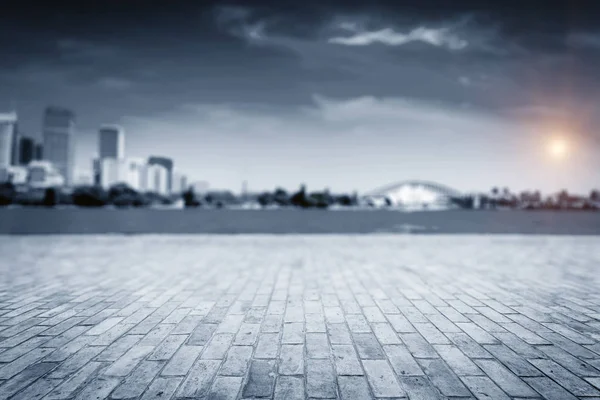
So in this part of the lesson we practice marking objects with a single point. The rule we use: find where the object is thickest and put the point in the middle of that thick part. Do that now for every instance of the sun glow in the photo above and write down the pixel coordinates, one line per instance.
(558, 148)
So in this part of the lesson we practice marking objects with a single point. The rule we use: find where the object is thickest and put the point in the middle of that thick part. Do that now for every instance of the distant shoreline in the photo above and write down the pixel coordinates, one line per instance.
(44, 221)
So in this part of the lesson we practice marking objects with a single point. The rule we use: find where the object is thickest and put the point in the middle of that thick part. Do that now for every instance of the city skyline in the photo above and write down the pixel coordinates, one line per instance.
(334, 95)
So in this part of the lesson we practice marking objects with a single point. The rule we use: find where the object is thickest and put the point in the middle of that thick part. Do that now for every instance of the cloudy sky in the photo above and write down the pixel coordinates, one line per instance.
(332, 93)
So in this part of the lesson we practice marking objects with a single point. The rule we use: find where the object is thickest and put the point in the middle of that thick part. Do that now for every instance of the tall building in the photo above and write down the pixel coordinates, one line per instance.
(59, 140)
(26, 150)
(119, 170)
(179, 183)
(167, 163)
(14, 159)
(39, 151)
(8, 133)
(111, 142)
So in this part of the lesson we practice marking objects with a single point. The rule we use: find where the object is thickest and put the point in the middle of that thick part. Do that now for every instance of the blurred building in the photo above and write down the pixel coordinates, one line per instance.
(39, 151)
(154, 179)
(8, 137)
(119, 170)
(83, 179)
(167, 163)
(26, 150)
(200, 187)
(179, 184)
(111, 142)
(15, 174)
(59, 140)
(42, 174)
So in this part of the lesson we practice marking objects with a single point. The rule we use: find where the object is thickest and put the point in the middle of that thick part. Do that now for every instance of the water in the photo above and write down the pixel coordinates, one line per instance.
(151, 221)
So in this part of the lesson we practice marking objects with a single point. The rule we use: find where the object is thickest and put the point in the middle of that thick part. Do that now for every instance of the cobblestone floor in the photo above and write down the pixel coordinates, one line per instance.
(293, 317)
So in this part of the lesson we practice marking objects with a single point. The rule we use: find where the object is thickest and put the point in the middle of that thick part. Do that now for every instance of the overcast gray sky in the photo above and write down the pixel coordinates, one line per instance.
(340, 94)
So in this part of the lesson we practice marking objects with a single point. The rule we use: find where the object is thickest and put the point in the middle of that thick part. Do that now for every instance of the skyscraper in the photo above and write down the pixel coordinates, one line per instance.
(16, 145)
(39, 151)
(26, 150)
(59, 140)
(111, 142)
(168, 164)
(8, 132)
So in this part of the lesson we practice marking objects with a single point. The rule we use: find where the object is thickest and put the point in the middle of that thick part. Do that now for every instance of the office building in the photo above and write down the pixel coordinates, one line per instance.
(59, 140)
(42, 174)
(167, 163)
(26, 150)
(179, 183)
(14, 159)
(8, 136)
(153, 178)
(113, 171)
(111, 142)
(39, 152)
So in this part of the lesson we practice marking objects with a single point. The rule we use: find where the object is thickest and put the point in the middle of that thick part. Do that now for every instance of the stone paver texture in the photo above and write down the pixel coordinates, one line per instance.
(293, 317)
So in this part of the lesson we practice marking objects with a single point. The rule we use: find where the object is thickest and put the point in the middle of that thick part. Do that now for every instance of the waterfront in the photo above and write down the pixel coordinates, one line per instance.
(295, 317)
(224, 221)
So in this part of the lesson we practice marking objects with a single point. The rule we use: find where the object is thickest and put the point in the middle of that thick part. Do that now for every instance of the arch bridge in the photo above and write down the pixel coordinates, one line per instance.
(414, 193)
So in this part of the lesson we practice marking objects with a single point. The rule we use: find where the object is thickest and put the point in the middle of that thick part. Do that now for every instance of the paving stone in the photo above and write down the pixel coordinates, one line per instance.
(70, 385)
(97, 389)
(14, 367)
(165, 350)
(135, 384)
(36, 390)
(513, 361)
(400, 323)
(77, 361)
(402, 361)
(237, 361)
(317, 345)
(506, 380)
(468, 346)
(225, 388)
(566, 379)
(287, 316)
(197, 383)
(268, 345)
(476, 333)
(261, 379)
(519, 346)
(419, 388)
(217, 347)
(24, 378)
(549, 389)
(457, 360)
(293, 333)
(320, 379)
(346, 360)
(339, 334)
(289, 388)
(247, 334)
(353, 388)
(162, 388)
(182, 361)
(385, 334)
(484, 388)
(202, 334)
(443, 378)
(382, 379)
(368, 347)
(291, 360)
(418, 346)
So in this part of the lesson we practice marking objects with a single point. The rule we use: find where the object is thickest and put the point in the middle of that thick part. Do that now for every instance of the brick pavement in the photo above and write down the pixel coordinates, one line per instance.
(293, 317)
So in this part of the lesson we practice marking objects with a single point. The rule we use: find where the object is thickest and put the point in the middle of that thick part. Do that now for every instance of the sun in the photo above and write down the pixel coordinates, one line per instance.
(558, 148)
